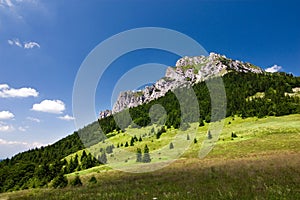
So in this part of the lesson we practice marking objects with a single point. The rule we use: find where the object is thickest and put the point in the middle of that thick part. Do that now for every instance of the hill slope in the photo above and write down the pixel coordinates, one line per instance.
(262, 162)
(248, 95)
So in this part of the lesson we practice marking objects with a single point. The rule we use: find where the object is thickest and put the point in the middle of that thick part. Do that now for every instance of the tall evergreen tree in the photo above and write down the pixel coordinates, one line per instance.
(138, 155)
(146, 157)
(171, 146)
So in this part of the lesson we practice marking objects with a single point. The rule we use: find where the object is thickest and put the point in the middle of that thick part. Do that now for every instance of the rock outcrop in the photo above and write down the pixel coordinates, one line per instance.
(188, 71)
(104, 114)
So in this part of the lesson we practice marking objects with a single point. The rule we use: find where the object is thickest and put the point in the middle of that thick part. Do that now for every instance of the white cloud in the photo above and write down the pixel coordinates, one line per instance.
(3, 86)
(7, 92)
(66, 118)
(50, 106)
(6, 115)
(30, 45)
(273, 69)
(25, 45)
(22, 129)
(15, 42)
(7, 3)
(34, 119)
(25, 144)
(6, 128)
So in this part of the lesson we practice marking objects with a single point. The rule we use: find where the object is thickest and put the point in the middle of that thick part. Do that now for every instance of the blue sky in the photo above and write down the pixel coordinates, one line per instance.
(43, 43)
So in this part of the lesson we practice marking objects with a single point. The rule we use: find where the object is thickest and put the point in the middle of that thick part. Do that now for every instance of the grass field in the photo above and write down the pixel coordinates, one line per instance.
(262, 162)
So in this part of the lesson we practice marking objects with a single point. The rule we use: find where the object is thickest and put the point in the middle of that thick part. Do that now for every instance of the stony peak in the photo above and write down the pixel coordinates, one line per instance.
(187, 71)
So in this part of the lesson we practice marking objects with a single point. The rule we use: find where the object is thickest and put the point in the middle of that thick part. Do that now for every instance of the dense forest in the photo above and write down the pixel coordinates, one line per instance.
(247, 94)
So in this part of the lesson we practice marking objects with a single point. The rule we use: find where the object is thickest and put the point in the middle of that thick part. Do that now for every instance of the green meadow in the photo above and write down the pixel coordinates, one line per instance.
(261, 161)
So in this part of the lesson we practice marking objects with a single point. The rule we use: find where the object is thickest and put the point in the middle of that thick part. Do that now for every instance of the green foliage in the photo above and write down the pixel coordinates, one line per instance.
(93, 180)
(201, 122)
(102, 159)
(195, 141)
(132, 142)
(233, 135)
(138, 155)
(126, 144)
(146, 157)
(76, 181)
(60, 181)
(209, 136)
(160, 132)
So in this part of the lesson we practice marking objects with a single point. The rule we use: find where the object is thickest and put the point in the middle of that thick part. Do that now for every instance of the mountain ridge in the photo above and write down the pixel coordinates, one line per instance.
(187, 71)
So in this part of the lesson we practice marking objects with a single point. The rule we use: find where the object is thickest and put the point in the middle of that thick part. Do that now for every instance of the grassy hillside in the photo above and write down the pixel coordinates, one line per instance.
(248, 95)
(262, 162)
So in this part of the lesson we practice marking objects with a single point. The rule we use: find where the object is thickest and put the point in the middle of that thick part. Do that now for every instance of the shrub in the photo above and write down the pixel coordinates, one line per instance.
(76, 181)
(93, 180)
(60, 181)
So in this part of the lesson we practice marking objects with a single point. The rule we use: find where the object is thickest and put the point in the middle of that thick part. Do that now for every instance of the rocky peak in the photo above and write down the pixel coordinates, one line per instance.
(104, 114)
(187, 71)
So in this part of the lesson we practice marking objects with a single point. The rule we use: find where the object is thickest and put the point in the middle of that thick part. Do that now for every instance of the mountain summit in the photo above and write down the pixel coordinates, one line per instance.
(188, 71)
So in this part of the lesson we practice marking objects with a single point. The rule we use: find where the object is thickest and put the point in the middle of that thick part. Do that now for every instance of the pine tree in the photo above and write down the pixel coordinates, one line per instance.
(83, 155)
(132, 141)
(195, 141)
(140, 139)
(171, 146)
(209, 136)
(201, 122)
(126, 144)
(93, 180)
(187, 137)
(103, 158)
(60, 181)
(76, 181)
(146, 157)
(138, 155)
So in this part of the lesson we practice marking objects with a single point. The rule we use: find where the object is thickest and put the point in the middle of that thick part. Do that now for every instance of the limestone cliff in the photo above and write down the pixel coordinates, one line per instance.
(188, 71)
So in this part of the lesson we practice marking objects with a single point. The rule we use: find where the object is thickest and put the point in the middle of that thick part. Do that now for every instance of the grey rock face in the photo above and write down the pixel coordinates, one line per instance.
(188, 71)
(104, 114)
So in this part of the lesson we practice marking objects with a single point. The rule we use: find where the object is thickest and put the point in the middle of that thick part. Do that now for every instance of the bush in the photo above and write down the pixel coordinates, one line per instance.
(76, 181)
(60, 181)
(93, 180)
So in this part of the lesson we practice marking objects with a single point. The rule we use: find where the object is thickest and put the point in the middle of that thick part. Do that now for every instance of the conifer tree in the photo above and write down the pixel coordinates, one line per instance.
(103, 158)
(138, 155)
(146, 157)
(126, 144)
(132, 141)
(209, 136)
(76, 181)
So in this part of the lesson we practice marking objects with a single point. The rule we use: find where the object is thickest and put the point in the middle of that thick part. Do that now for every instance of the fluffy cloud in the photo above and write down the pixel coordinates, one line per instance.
(7, 3)
(25, 45)
(6, 115)
(66, 118)
(15, 42)
(7, 92)
(50, 106)
(34, 119)
(26, 144)
(273, 69)
(30, 45)
(22, 129)
(6, 128)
